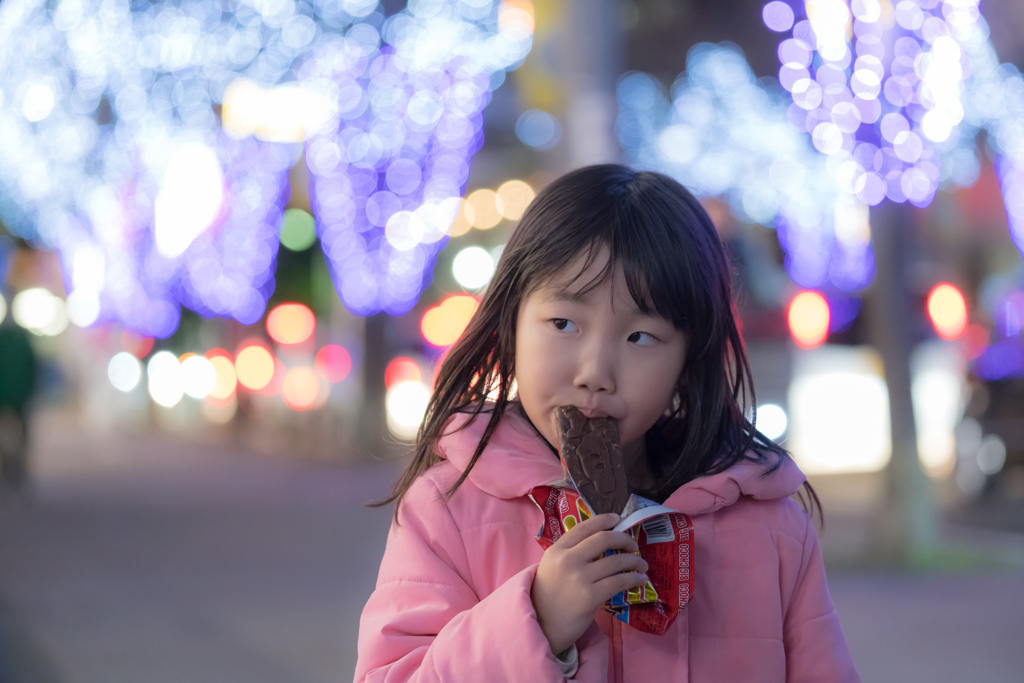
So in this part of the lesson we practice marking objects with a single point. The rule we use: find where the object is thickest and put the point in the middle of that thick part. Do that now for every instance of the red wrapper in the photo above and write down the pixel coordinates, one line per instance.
(665, 538)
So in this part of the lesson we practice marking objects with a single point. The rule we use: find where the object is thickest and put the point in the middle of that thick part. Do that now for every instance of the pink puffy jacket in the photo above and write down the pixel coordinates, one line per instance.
(452, 601)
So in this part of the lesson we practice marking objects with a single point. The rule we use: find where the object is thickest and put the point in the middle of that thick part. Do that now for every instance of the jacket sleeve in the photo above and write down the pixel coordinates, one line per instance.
(815, 647)
(425, 622)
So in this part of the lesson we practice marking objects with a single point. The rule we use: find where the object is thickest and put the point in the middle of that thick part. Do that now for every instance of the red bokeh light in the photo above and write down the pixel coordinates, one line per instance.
(809, 319)
(136, 344)
(333, 363)
(402, 369)
(947, 310)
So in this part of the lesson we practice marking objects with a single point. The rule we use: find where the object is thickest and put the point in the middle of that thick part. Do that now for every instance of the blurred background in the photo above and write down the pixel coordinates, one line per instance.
(237, 236)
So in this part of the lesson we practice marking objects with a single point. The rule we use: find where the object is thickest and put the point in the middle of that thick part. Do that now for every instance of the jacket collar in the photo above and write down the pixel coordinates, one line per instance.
(517, 459)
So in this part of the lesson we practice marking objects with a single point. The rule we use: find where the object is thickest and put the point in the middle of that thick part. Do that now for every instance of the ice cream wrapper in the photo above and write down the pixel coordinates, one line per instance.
(665, 538)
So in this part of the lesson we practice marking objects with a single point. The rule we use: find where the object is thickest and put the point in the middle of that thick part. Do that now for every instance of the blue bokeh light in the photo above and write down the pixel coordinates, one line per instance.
(722, 133)
(99, 97)
(538, 129)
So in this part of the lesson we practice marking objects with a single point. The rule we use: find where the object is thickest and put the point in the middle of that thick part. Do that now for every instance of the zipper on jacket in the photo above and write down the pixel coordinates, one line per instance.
(616, 647)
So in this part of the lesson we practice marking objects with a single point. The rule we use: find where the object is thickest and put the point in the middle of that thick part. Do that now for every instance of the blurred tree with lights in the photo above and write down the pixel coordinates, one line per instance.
(895, 96)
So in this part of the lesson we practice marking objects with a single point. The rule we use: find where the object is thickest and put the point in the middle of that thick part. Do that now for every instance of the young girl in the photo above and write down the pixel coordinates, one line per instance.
(613, 295)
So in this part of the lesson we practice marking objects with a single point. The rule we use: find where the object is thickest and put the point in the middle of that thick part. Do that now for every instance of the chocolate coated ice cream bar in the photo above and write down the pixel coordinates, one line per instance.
(590, 449)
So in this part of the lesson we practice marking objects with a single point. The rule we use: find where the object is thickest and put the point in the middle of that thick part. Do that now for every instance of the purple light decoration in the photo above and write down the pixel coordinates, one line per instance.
(386, 184)
(778, 16)
(228, 271)
(722, 133)
(1002, 360)
(100, 102)
(896, 95)
(387, 179)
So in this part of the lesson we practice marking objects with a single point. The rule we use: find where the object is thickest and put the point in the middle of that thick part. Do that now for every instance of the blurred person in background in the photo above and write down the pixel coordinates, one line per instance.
(19, 369)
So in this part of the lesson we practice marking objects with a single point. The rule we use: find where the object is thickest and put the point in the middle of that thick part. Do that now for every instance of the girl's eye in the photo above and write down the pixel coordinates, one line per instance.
(642, 338)
(563, 324)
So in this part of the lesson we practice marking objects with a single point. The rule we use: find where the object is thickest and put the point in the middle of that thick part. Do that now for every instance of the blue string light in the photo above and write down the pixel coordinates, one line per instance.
(149, 143)
(896, 93)
(722, 133)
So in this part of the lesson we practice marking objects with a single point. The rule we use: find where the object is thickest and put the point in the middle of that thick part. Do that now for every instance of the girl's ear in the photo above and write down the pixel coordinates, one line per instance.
(675, 404)
(677, 401)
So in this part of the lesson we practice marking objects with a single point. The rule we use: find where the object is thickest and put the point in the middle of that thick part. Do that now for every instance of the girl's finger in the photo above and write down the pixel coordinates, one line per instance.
(597, 543)
(588, 528)
(611, 565)
(605, 589)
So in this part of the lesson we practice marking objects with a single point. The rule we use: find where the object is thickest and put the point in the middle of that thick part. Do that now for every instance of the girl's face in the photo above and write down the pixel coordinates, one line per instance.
(597, 351)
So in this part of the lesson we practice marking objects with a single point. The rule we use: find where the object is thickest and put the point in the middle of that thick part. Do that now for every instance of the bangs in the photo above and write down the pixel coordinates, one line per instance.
(653, 228)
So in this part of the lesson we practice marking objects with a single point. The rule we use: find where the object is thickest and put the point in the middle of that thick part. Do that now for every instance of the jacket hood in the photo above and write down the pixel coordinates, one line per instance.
(517, 459)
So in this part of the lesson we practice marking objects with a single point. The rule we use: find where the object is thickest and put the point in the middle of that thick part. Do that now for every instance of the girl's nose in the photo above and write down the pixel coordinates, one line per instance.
(595, 367)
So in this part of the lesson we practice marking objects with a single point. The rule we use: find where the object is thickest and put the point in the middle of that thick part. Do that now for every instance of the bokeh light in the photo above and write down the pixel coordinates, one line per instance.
(199, 376)
(515, 196)
(838, 411)
(39, 311)
(397, 162)
(486, 208)
(160, 178)
(947, 310)
(444, 323)
(290, 323)
(254, 367)
(124, 371)
(771, 420)
(463, 221)
(937, 388)
(778, 16)
(298, 230)
(726, 134)
(189, 200)
(991, 455)
(473, 267)
(287, 113)
(136, 344)
(402, 369)
(226, 378)
(333, 362)
(165, 379)
(896, 94)
(406, 404)
(83, 307)
(538, 129)
(808, 319)
(300, 388)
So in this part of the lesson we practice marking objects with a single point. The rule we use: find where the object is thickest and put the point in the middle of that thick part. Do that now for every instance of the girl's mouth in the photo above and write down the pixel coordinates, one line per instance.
(591, 413)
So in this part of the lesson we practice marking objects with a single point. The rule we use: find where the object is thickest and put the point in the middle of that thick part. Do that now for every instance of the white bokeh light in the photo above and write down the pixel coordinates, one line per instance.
(124, 371)
(838, 411)
(189, 200)
(83, 307)
(198, 376)
(473, 267)
(771, 420)
(406, 404)
(39, 311)
(38, 103)
(165, 379)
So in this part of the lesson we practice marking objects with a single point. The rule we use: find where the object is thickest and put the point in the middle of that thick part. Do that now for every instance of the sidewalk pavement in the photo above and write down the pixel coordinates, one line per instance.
(159, 559)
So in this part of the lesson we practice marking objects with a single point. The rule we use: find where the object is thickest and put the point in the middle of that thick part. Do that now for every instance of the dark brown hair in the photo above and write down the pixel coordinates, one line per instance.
(675, 266)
